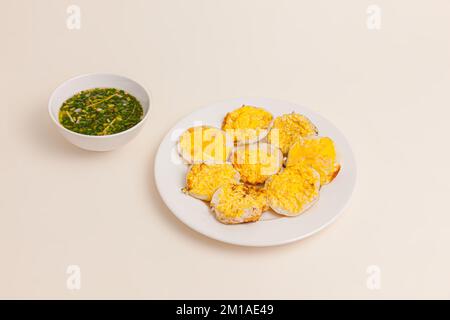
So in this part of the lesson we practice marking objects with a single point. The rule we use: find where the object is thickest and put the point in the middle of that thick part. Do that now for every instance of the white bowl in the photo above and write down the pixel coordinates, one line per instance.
(90, 81)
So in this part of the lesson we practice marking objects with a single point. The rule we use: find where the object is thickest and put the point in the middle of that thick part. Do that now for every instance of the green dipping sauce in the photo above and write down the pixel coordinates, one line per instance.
(100, 111)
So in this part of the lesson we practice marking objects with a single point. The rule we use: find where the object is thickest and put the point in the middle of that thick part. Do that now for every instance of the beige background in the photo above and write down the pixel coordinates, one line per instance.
(387, 90)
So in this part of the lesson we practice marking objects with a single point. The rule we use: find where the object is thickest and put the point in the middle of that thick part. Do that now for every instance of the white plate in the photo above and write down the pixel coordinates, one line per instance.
(271, 229)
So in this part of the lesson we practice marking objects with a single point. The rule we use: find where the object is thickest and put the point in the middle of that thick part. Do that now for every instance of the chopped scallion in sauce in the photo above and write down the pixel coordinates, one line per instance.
(100, 111)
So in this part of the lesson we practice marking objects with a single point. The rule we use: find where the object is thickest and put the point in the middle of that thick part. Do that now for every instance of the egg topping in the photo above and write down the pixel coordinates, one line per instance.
(247, 124)
(204, 144)
(203, 180)
(317, 152)
(288, 128)
(237, 203)
(256, 162)
(293, 190)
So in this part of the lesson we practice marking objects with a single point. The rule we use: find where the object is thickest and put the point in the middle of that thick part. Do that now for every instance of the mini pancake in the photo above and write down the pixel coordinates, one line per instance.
(204, 144)
(317, 152)
(293, 190)
(238, 203)
(247, 124)
(202, 180)
(256, 162)
(288, 128)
